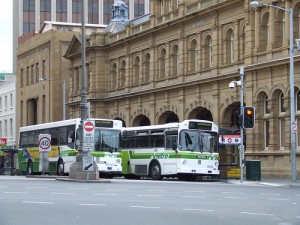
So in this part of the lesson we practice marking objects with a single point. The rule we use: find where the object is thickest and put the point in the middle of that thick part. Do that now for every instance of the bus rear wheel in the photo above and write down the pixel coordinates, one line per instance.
(155, 171)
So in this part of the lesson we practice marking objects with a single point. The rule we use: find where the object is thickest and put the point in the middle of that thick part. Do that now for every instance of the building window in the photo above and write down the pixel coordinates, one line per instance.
(297, 100)
(122, 79)
(1, 129)
(22, 78)
(139, 8)
(266, 134)
(107, 4)
(76, 11)
(231, 47)
(28, 16)
(11, 128)
(11, 100)
(114, 76)
(147, 68)
(62, 10)
(93, 12)
(174, 61)
(265, 30)
(0, 103)
(5, 128)
(265, 106)
(207, 57)
(281, 104)
(88, 77)
(45, 11)
(136, 69)
(27, 76)
(193, 55)
(5, 102)
(162, 63)
(32, 74)
(37, 72)
(44, 69)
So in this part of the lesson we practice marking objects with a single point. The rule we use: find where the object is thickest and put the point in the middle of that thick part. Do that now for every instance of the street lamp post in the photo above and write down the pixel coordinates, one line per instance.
(63, 82)
(241, 149)
(293, 124)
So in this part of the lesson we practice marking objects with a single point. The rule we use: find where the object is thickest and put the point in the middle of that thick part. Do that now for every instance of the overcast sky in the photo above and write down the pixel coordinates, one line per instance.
(6, 35)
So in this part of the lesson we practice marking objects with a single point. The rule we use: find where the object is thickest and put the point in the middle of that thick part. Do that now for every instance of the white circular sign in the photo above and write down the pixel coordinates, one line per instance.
(45, 144)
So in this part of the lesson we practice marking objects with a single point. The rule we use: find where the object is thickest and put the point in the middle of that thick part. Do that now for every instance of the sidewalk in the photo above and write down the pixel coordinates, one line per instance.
(266, 181)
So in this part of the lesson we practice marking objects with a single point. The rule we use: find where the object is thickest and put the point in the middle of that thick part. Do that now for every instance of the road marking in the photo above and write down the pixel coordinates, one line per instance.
(202, 210)
(268, 194)
(194, 191)
(157, 190)
(33, 202)
(257, 214)
(91, 204)
(62, 193)
(107, 194)
(279, 199)
(144, 207)
(37, 187)
(149, 195)
(116, 189)
(192, 196)
(79, 188)
(243, 198)
(15, 192)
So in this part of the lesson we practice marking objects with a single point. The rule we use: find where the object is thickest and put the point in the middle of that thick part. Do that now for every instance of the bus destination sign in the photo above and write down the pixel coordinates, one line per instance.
(104, 123)
(200, 125)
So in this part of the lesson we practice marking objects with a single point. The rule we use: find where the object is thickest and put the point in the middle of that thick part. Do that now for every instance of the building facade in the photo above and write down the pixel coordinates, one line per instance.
(30, 15)
(178, 62)
(8, 108)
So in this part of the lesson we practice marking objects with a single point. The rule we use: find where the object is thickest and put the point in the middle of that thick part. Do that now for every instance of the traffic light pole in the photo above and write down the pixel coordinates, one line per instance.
(241, 127)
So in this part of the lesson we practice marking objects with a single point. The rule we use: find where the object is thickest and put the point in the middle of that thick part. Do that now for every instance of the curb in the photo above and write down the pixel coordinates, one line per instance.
(83, 181)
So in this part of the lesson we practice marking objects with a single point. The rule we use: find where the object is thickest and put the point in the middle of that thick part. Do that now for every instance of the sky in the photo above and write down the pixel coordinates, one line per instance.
(6, 36)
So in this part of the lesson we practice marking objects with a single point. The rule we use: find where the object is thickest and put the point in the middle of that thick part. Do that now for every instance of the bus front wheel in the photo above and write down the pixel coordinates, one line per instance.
(155, 171)
(29, 168)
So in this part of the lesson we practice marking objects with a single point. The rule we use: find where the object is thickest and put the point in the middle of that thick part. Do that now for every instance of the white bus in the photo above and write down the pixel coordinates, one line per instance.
(64, 145)
(186, 150)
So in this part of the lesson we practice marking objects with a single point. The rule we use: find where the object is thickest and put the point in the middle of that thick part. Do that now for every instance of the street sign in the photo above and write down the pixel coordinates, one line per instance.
(88, 136)
(88, 163)
(44, 142)
(230, 139)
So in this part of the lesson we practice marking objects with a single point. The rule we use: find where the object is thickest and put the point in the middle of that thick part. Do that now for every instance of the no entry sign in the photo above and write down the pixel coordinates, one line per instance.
(89, 126)
(88, 136)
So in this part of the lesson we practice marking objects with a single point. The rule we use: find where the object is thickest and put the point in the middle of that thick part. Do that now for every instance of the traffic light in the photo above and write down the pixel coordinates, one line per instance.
(249, 117)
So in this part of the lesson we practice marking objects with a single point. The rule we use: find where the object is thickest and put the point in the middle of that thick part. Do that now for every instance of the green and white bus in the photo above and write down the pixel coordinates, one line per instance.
(64, 145)
(185, 150)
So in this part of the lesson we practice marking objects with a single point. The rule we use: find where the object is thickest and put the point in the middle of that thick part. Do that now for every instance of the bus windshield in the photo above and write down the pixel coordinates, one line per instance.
(198, 141)
(107, 140)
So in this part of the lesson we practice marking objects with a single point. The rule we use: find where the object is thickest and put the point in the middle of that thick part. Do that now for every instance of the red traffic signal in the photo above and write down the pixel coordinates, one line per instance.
(249, 117)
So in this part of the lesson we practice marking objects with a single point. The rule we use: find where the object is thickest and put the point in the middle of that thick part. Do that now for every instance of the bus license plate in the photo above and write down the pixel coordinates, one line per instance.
(199, 161)
(109, 168)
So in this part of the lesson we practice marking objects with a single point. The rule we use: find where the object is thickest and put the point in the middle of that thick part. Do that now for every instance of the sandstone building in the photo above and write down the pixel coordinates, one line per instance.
(176, 63)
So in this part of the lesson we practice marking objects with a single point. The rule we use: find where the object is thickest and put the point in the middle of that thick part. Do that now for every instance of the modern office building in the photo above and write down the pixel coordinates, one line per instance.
(30, 15)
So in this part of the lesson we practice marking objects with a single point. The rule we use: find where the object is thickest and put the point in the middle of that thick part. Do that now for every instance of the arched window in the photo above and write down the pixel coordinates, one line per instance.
(281, 121)
(193, 55)
(265, 30)
(207, 57)
(174, 61)
(114, 76)
(229, 48)
(136, 68)
(162, 63)
(146, 68)
(122, 79)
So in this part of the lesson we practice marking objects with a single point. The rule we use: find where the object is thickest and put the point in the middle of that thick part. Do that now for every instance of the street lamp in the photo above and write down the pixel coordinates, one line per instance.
(63, 82)
(231, 85)
(293, 125)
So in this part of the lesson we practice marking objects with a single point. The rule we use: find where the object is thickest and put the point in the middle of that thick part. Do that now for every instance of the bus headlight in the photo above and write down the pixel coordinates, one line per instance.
(216, 163)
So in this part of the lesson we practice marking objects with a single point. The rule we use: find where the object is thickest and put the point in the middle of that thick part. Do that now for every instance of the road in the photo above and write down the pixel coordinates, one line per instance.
(25, 201)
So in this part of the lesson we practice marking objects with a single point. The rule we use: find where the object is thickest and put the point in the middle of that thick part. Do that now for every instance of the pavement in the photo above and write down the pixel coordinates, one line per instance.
(276, 182)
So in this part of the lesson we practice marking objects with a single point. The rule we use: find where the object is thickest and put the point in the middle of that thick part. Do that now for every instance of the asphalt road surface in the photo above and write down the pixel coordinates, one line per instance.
(27, 201)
